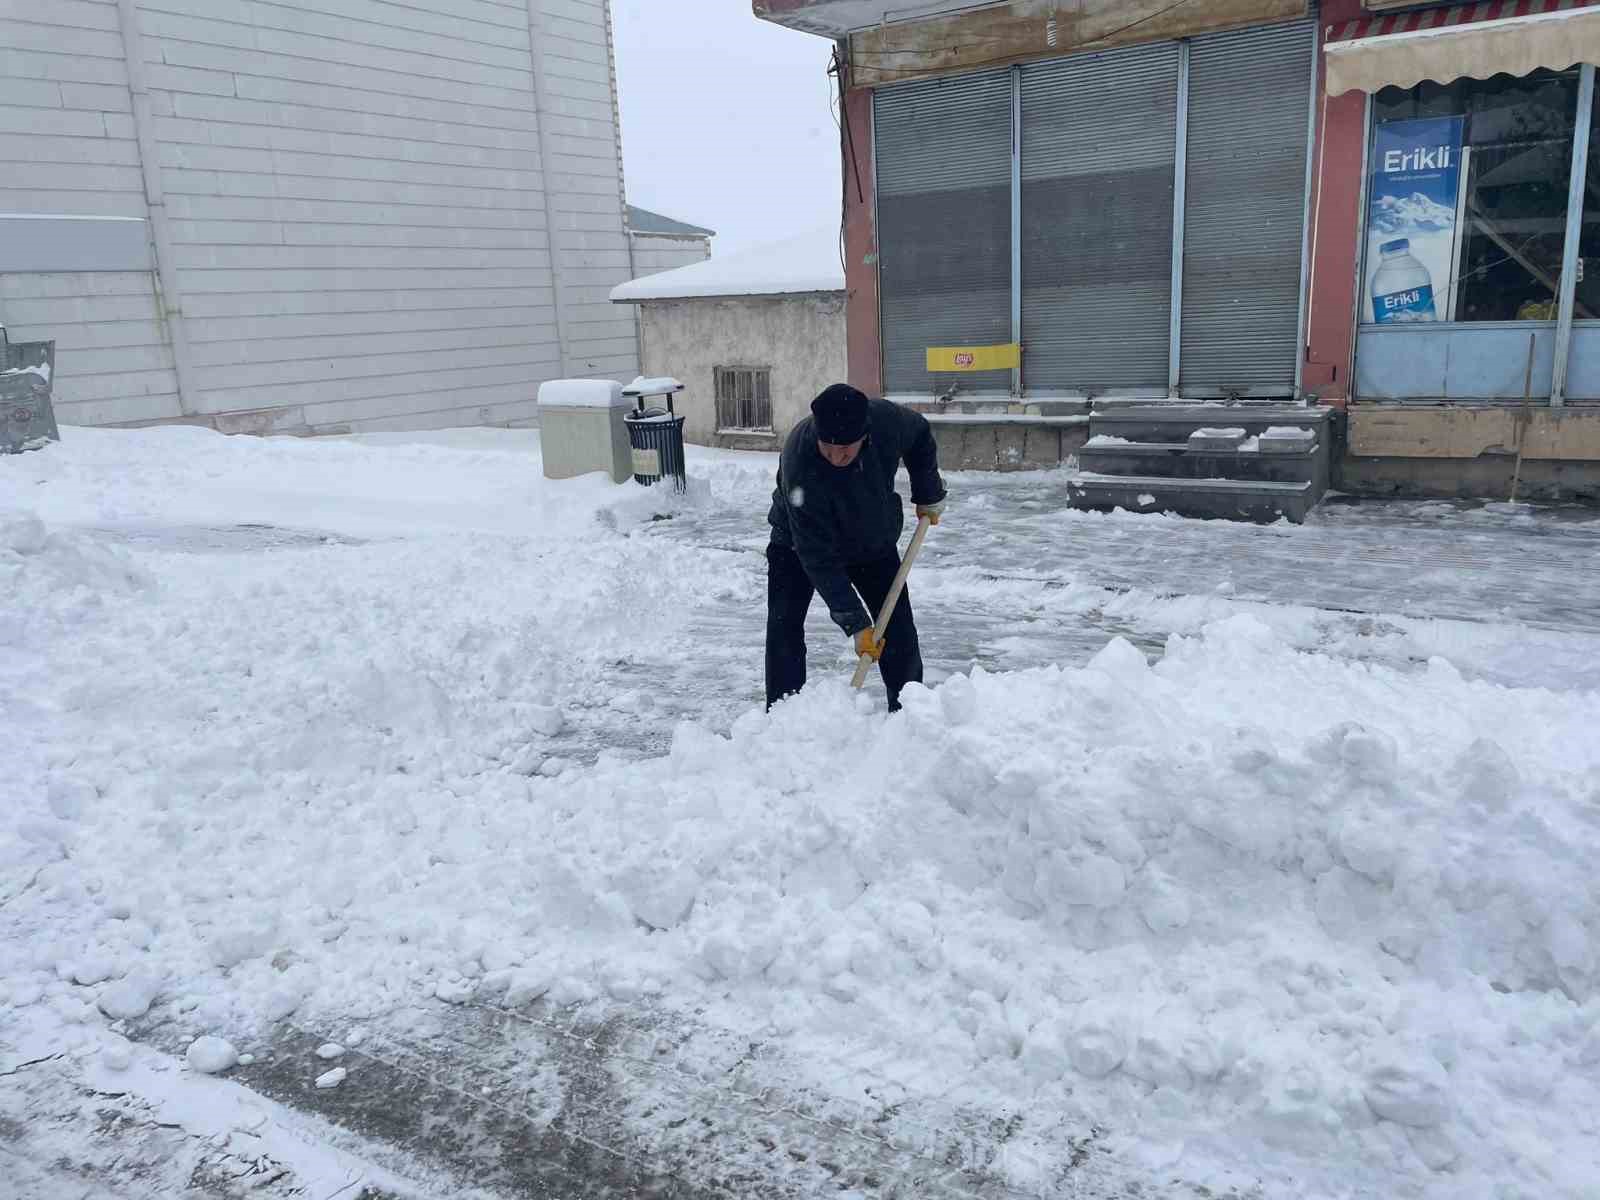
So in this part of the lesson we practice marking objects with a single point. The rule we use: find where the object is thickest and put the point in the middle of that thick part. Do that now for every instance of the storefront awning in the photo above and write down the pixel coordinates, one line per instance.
(1475, 40)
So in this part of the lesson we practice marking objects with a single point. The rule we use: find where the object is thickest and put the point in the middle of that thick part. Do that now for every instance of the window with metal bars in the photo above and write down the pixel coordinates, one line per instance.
(744, 398)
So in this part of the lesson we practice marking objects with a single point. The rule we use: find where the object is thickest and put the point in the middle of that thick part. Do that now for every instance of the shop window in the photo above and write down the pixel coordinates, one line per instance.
(744, 398)
(1586, 302)
(1467, 201)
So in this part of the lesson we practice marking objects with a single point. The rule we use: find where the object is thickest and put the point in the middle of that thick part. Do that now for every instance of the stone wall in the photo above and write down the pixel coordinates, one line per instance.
(800, 338)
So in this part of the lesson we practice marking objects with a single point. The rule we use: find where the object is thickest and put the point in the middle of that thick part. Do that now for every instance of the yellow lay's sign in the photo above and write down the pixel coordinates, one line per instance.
(1004, 357)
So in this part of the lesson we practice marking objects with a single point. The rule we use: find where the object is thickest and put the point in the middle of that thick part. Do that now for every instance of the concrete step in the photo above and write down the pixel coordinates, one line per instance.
(1175, 422)
(1263, 501)
(1174, 460)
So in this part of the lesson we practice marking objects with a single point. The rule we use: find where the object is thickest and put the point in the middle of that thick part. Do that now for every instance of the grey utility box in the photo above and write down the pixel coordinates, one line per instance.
(581, 429)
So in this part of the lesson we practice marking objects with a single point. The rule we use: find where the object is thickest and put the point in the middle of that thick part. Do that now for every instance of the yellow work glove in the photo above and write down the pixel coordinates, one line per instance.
(932, 511)
(867, 643)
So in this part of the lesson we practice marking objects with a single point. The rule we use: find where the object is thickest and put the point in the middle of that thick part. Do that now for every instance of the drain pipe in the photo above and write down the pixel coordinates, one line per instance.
(541, 113)
(170, 300)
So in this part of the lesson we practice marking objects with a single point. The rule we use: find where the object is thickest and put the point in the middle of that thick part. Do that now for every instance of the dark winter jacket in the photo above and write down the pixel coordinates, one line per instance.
(836, 517)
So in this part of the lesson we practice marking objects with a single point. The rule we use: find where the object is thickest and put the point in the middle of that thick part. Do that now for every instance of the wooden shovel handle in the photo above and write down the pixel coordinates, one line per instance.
(864, 665)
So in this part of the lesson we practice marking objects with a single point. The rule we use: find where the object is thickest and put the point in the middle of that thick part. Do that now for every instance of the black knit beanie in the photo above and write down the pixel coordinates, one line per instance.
(840, 413)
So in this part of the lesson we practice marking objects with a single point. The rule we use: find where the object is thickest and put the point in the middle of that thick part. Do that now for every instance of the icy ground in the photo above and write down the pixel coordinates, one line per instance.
(377, 818)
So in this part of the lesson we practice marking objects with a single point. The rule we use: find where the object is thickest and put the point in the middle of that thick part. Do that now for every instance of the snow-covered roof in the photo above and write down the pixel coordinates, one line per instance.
(808, 262)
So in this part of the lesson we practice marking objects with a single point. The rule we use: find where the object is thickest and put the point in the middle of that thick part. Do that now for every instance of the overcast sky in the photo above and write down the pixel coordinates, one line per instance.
(725, 119)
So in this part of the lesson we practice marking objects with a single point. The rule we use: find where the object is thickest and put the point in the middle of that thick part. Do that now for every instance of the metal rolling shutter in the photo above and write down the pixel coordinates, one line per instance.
(1098, 147)
(1248, 99)
(943, 153)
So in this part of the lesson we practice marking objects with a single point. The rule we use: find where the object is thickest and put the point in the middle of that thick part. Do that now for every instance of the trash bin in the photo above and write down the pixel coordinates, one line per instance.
(581, 429)
(655, 434)
(27, 418)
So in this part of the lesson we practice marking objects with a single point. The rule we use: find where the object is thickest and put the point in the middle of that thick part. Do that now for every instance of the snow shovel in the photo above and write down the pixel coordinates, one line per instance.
(859, 679)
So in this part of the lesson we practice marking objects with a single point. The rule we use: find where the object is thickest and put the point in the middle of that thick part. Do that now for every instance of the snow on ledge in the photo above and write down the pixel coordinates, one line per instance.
(808, 262)
(654, 385)
(581, 393)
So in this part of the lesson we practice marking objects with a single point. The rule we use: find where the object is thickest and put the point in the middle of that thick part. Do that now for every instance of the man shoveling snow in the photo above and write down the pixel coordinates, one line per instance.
(836, 521)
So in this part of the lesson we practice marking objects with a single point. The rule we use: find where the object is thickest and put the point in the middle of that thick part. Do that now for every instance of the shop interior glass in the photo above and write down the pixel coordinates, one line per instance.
(1519, 156)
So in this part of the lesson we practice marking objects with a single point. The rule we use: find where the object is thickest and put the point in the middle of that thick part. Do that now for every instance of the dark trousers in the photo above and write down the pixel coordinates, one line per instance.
(789, 593)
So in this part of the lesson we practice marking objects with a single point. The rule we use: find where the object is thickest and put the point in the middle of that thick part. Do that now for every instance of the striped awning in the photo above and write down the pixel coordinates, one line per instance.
(1512, 37)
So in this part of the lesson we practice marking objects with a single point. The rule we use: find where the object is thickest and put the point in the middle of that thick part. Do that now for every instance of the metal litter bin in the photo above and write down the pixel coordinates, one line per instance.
(656, 434)
(27, 419)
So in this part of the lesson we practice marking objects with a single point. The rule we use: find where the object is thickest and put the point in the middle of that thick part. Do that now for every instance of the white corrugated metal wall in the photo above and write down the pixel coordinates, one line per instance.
(360, 232)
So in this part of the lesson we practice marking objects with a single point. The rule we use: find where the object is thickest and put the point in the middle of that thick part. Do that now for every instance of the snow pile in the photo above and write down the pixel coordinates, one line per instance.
(1247, 907)
(371, 488)
(57, 577)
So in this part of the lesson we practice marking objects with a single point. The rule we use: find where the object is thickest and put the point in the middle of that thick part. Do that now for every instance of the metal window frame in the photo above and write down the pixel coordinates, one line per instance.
(1304, 325)
(877, 253)
(721, 374)
(1180, 210)
(1364, 210)
(1016, 223)
(1577, 186)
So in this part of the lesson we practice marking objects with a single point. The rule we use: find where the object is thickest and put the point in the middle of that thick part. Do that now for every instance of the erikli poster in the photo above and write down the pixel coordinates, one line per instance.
(1413, 211)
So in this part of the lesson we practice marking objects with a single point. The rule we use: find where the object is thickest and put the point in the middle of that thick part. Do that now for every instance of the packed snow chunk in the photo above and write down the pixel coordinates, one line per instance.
(1163, 905)
(116, 1054)
(69, 798)
(235, 945)
(1084, 878)
(24, 535)
(330, 1050)
(738, 955)
(958, 700)
(332, 1079)
(400, 701)
(1369, 755)
(280, 1002)
(210, 1055)
(526, 985)
(1097, 1043)
(130, 997)
(1348, 904)
(1120, 659)
(1486, 777)
(546, 719)
(660, 894)
(455, 989)
(1408, 1091)
(94, 968)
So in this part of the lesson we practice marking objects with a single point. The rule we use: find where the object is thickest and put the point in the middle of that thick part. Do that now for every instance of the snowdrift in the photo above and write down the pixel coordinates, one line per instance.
(1249, 908)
